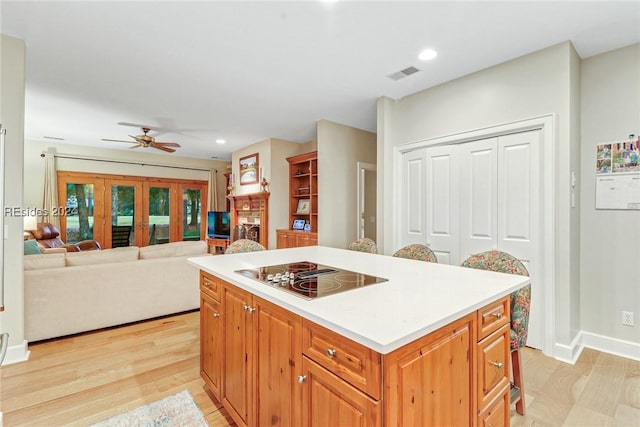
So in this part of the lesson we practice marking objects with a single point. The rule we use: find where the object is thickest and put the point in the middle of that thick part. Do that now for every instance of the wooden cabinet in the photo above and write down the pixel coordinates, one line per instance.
(237, 349)
(294, 238)
(270, 367)
(493, 359)
(303, 198)
(252, 211)
(250, 348)
(210, 344)
(429, 382)
(210, 333)
(278, 363)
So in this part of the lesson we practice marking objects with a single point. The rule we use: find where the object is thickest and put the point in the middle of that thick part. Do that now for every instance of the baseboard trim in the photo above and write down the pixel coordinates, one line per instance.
(569, 353)
(17, 353)
(615, 346)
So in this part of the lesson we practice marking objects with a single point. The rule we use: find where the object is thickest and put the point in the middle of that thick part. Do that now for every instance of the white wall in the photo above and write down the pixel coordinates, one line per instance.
(12, 68)
(530, 86)
(610, 246)
(340, 148)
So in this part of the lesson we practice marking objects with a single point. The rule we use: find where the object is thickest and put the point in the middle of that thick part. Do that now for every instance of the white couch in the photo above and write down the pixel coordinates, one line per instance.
(67, 293)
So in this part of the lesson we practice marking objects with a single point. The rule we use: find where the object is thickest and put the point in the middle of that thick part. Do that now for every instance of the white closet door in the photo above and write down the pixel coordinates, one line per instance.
(413, 197)
(443, 203)
(519, 213)
(478, 197)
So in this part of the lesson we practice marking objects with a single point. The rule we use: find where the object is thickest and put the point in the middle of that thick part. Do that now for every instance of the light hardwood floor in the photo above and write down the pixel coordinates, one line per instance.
(83, 379)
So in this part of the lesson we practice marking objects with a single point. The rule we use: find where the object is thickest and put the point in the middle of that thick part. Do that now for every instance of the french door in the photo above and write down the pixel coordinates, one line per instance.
(131, 211)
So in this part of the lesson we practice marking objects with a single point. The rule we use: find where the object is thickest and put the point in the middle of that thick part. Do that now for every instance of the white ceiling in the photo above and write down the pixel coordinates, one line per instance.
(248, 71)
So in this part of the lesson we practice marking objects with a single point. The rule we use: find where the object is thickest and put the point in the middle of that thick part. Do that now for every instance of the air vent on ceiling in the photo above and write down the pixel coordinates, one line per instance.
(403, 73)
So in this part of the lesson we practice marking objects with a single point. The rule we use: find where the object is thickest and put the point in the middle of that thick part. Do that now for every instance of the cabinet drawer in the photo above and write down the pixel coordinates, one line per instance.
(353, 362)
(493, 316)
(330, 401)
(211, 285)
(497, 414)
(493, 365)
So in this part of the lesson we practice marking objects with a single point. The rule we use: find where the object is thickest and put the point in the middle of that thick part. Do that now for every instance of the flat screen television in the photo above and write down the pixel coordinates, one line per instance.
(218, 224)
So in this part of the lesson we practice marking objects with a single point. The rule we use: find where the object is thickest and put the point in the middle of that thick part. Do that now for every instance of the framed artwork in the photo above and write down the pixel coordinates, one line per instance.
(304, 206)
(249, 169)
(298, 224)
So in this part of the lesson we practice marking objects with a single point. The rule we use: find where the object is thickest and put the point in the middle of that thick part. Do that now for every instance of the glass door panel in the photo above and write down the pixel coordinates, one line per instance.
(79, 205)
(124, 214)
(157, 222)
(193, 200)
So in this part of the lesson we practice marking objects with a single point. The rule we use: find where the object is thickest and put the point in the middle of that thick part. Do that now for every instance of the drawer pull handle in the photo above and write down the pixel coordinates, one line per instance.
(207, 284)
(498, 315)
(249, 309)
(496, 364)
(331, 352)
(216, 315)
(302, 379)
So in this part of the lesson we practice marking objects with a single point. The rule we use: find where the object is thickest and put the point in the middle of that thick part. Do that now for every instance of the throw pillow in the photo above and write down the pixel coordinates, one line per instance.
(31, 247)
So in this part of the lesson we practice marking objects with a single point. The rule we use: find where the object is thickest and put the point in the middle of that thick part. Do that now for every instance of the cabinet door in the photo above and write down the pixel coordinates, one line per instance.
(237, 389)
(429, 382)
(210, 343)
(328, 401)
(284, 240)
(278, 362)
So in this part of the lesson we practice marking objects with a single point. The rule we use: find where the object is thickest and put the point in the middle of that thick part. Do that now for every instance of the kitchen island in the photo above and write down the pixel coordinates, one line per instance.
(427, 346)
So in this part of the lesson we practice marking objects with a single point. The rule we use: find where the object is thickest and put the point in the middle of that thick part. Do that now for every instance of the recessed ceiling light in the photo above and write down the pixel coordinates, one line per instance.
(220, 141)
(427, 55)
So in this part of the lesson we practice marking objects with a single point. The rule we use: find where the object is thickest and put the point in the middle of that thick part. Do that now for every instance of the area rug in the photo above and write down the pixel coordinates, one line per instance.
(178, 410)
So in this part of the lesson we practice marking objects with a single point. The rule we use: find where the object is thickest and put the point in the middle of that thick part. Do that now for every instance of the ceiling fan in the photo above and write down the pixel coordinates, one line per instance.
(148, 141)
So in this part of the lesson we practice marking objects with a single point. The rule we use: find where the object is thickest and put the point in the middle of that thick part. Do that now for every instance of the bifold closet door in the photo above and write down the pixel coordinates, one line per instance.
(413, 187)
(519, 210)
(442, 199)
(478, 197)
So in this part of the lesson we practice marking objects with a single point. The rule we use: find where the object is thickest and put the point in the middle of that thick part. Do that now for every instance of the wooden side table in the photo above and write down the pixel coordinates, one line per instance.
(217, 242)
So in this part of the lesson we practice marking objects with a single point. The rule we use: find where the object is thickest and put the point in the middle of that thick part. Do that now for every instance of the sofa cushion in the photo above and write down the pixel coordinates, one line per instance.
(44, 261)
(31, 247)
(174, 249)
(105, 256)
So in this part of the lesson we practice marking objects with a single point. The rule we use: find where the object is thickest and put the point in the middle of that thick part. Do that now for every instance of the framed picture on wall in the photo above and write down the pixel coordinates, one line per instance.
(249, 168)
(304, 206)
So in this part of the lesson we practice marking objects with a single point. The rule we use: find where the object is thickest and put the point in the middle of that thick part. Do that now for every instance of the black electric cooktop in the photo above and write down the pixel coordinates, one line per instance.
(310, 280)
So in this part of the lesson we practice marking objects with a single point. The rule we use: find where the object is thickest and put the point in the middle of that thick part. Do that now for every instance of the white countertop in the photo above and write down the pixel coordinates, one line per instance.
(418, 298)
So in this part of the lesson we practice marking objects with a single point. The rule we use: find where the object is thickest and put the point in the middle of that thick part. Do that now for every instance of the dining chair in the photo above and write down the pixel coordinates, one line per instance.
(520, 302)
(418, 252)
(364, 245)
(244, 245)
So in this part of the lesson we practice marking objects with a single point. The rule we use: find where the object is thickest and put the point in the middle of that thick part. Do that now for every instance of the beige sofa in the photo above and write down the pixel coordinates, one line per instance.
(67, 293)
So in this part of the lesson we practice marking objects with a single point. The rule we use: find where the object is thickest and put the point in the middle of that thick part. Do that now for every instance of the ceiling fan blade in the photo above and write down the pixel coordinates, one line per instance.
(135, 125)
(160, 147)
(168, 144)
(119, 140)
(136, 146)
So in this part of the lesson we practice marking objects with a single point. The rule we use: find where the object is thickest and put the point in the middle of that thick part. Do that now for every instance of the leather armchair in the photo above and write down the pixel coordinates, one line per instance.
(47, 237)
